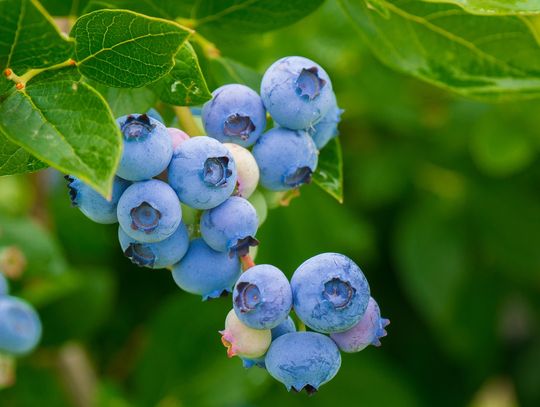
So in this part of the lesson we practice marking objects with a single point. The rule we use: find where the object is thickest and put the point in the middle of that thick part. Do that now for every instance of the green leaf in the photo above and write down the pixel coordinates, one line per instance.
(445, 46)
(16, 160)
(491, 7)
(124, 101)
(63, 8)
(329, 173)
(29, 38)
(250, 16)
(185, 84)
(124, 49)
(225, 70)
(226, 17)
(66, 124)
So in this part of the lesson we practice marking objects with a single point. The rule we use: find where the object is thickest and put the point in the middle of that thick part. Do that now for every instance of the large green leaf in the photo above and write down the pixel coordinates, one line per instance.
(226, 17)
(491, 7)
(29, 38)
(444, 45)
(65, 7)
(124, 49)
(250, 16)
(16, 160)
(329, 173)
(185, 84)
(66, 124)
(124, 101)
(225, 70)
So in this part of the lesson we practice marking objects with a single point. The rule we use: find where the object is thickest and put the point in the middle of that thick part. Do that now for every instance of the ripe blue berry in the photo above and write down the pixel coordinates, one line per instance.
(367, 331)
(149, 211)
(330, 293)
(327, 128)
(156, 255)
(286, 158)
(285, 327)
(230, 227)
(246, 168)
(297, 92)
(262, 297)
(4, 286)
(206, 272)
(147, 147)
(202, 172)
(235, 114)
(91, 203)
(243, 341)
(20, 327)
(303, 360)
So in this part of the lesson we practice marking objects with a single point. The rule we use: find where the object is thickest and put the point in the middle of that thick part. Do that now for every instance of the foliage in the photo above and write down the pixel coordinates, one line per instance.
(439, 153)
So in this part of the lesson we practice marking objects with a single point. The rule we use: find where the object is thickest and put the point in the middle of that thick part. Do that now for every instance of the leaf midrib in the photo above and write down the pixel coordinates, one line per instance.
(129, 41)
(452, 37)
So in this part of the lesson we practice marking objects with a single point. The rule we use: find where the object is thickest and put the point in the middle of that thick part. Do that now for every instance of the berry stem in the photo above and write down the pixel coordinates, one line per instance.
(187, 121)
(289, 196)
(21, 81)
(247, 262)
(301, 326)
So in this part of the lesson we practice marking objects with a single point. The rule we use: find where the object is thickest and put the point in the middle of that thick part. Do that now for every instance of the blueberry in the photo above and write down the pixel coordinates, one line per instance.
(285, 327)
(230, 227)
(154, 114)
(366, 332)
(206, 272)
(303, 360)
(147, 147)
(327, 128)
(297, 92)
(286, 158)
(202, 172)
(91, 203)
(262, 297)
(20, 327)
(235, 114)
(330, 293)
(246, 168)
(241, 340)
(149, 211)
(156, 255)
(4, 286)
(177, 138)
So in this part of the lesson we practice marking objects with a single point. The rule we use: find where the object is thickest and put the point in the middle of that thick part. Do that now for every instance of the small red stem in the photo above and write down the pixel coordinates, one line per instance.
(247, 262)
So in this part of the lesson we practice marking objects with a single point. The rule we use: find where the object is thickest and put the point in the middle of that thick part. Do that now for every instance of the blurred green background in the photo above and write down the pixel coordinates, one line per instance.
(442, 213)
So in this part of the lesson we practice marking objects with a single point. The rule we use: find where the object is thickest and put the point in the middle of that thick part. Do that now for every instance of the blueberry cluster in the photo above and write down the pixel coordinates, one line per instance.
(189, 203)
(328, 293)
(192, 204)
(20, 326)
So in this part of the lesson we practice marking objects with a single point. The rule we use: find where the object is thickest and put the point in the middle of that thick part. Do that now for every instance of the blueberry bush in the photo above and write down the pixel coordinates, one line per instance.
(230, 107)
